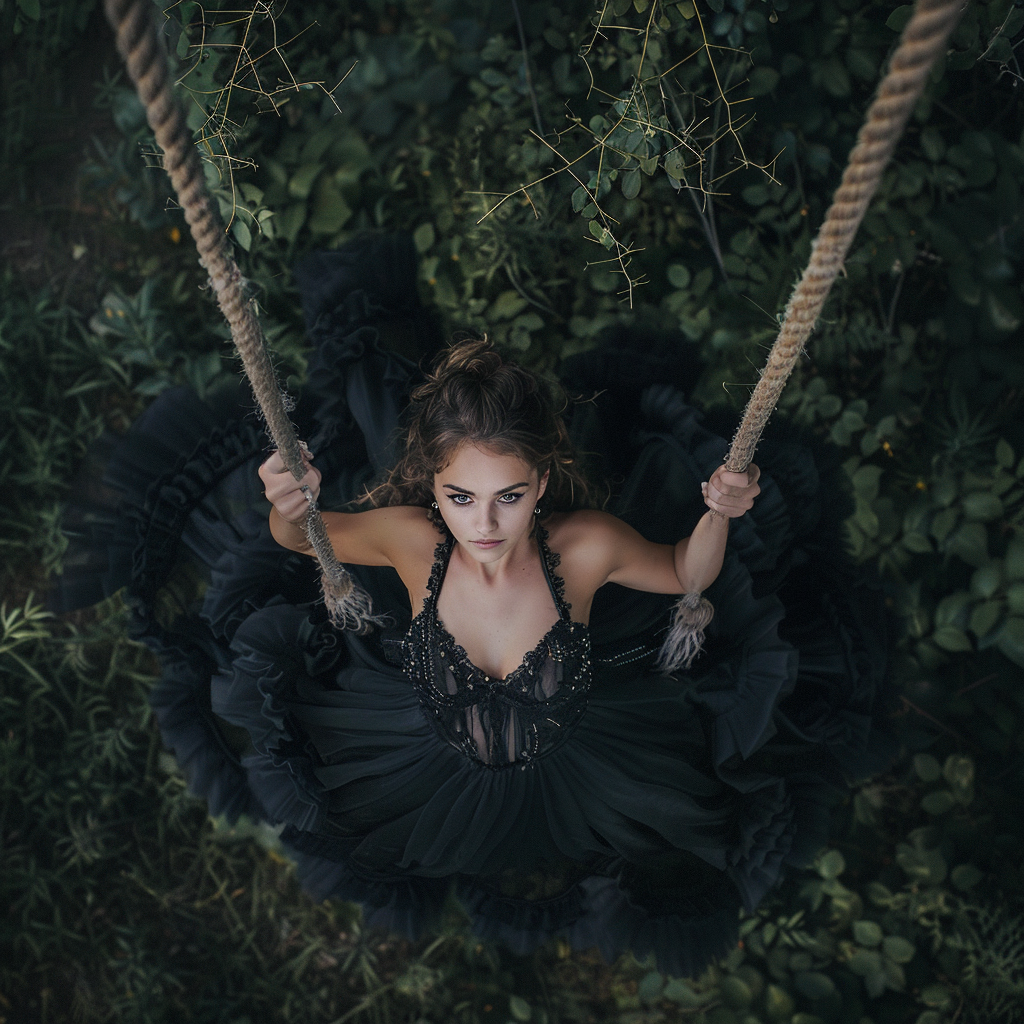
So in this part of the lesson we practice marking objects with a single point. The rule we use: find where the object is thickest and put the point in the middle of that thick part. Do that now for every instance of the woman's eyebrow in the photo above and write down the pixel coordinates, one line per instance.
(504, 490)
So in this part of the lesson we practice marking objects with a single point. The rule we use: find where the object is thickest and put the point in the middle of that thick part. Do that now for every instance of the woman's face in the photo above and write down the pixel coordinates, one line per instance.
(487, 500)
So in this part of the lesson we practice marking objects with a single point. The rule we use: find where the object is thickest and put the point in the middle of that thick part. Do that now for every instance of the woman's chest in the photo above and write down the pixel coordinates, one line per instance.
(497, 625)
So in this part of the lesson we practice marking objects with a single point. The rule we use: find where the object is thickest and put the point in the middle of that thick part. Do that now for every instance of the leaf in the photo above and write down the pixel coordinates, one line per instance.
(650, 987)
(30, 9)
(984, 618)
(867, 933)
(898, 949)
(982, 505)
(762, 81)
(242, 233)
(301, 182)
(580, 198)
(778, 1003)
(507, 305)
(985, 581)
(631, 183)
(949, 638)
(918, 543)
(519, 1008)
(1015, 598)
(939, 802)
(965, 876)
(678, 275)
(970, 543)
(1011, 639)
(814, 984)
(1004, 454)
(423, 238)
(898, 19)
(832, 864)
(736, 992)
(865, 961)
(936, 996)
(679, 992)
(927, 767)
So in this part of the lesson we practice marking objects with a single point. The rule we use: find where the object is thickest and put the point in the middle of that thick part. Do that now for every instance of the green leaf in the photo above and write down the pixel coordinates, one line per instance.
(898, 19)
(242, 233)
(867, 933)
(678, 275)
(736, 992)
(982, 505)
(970, 543)
(939, 802)
(329, 212)
(507, 305)
(1015, 598)
(927, 767)
(986, 580)
(984, 618)
(949, 638)
(1011, 639)
(1004, 454)
(423, 238)
(778, 1004)
(936, 996)
(832, 864)
(301, 182)
(814, 984)
(950, 608)
(898, 949)
(519, 1008)
(631, 183)
(678, 991)
(865, 961)
(651, 986)
(30, 9)
(932, 144)
(965, 876)
(580, 198)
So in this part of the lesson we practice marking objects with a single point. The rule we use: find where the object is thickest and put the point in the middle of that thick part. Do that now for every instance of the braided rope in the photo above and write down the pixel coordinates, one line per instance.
(348, 605)
(923, 39)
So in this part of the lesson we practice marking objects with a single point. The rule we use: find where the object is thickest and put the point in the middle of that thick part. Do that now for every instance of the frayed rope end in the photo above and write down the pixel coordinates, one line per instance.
(685, 638)
(349, 607)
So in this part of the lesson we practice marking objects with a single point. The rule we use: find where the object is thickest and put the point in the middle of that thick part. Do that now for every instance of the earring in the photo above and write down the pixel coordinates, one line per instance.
(536, 511)
(433, 505)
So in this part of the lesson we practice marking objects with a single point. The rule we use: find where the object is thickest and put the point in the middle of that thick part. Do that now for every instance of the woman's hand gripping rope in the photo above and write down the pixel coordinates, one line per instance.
(731, 494)
(290, 497)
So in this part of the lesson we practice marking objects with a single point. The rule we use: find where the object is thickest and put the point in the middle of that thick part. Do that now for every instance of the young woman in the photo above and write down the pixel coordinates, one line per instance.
(507, 736)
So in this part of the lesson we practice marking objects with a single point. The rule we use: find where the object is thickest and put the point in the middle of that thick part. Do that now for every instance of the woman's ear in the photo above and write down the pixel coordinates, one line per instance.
(543, 484)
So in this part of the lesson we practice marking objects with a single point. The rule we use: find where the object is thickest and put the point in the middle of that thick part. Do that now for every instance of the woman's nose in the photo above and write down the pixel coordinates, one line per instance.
(487, 520)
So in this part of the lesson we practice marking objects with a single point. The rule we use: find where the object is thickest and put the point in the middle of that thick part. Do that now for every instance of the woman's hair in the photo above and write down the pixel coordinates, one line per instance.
(474, 396)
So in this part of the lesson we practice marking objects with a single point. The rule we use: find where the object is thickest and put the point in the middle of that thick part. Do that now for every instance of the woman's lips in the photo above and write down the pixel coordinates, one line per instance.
(487, 543)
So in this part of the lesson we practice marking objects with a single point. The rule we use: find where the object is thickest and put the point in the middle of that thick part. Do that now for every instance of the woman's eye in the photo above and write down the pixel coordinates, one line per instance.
(509, 499)
(460, 499)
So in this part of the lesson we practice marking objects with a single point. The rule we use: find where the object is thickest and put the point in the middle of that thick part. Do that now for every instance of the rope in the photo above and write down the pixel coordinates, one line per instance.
(923, 40)
(349, 606)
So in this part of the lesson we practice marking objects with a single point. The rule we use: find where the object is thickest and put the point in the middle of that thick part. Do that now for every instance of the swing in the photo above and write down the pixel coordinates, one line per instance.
(349, 607)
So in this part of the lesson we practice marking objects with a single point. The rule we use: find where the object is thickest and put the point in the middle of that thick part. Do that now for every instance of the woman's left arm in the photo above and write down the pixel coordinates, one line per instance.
(698, 558)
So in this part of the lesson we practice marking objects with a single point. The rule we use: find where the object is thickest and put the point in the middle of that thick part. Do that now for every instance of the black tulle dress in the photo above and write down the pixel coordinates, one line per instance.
(589, 796)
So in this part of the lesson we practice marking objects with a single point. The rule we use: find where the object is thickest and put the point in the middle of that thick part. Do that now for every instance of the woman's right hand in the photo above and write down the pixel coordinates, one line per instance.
(284, 492)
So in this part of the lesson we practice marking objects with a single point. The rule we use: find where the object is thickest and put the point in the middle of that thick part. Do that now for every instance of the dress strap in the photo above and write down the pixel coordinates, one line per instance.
(550, 561)
(442, 556)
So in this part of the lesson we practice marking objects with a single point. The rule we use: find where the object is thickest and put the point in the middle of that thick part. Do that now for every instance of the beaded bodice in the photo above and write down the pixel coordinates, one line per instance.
(501, 723)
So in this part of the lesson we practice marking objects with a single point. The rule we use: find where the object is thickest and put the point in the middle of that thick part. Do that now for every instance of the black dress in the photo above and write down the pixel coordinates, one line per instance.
(587, 795)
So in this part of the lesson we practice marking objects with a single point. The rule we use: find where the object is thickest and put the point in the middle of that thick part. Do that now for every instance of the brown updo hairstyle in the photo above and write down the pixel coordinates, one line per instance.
(474, 396)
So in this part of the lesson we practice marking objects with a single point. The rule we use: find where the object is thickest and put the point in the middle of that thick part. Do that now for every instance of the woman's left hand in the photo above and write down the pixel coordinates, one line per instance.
(731, 494)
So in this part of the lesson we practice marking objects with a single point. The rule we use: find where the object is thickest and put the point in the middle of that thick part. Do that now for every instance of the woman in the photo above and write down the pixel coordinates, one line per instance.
(482, 422)
(573, 789)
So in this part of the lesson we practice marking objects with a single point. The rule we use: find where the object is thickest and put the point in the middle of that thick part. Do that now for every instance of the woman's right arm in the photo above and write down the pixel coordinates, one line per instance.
(381, 536)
